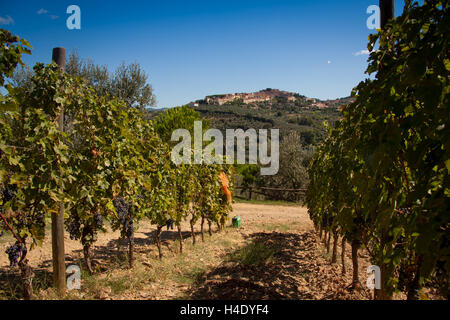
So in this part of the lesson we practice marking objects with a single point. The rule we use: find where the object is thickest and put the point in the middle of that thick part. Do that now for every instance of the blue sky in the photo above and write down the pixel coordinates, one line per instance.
(191, 49)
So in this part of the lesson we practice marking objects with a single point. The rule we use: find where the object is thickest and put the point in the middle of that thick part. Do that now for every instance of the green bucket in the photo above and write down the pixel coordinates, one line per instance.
(236, 221)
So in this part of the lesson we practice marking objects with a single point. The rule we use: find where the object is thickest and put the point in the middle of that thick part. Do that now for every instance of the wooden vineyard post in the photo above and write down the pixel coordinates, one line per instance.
(387, 9)
(59, 266)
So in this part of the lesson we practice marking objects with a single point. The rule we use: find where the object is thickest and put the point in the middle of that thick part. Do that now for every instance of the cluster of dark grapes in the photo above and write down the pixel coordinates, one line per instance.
(40, 218)
(98, 219)
(73, 226)
(14, 252)
(29, 221)
(169, 224)
(123, 209)
(37, 221)
(9, 192)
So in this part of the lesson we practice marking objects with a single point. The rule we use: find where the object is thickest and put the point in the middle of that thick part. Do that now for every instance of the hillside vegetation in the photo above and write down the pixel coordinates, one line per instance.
(302, 116)
(307, 122)
(301, 125)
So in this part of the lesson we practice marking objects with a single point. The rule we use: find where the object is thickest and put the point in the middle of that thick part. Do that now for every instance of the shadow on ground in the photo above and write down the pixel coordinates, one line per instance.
(267, 268)
(104, 257)
(11, 282)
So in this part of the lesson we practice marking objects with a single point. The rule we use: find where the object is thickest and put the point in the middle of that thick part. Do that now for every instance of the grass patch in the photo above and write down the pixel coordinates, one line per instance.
(120, 282)
(10, 290)
(256, 253)
(270, 202)
(11, 283)
(276, 227)
(189, 276)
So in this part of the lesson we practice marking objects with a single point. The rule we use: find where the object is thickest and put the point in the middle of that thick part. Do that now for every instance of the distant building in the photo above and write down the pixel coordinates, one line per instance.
(261, 96)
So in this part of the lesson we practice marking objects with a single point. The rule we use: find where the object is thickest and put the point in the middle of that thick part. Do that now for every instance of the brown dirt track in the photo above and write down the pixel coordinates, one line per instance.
(276, 254)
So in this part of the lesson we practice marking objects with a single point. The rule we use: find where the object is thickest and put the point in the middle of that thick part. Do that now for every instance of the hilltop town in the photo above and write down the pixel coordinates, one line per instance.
(261, 96)
(268, 96)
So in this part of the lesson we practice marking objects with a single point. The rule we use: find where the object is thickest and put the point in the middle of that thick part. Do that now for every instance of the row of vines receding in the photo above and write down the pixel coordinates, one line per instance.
(381, 179)
(109, 166)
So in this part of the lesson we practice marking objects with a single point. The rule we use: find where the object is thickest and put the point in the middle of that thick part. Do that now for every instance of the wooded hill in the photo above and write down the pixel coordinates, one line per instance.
(301, 116)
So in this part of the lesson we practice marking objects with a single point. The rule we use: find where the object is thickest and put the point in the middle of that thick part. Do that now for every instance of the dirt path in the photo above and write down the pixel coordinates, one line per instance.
(298, 268)
(274, 255)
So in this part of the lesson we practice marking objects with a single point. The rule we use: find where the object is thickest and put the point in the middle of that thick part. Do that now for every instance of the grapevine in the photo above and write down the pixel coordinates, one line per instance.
(383, 173)
(108, 165)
